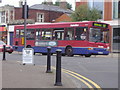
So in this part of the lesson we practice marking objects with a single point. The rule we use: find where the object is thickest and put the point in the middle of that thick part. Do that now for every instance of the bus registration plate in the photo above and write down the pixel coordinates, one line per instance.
(100, 52)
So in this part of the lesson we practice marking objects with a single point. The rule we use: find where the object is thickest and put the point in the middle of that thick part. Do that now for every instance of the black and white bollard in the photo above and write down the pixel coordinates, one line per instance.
(49, 60)
(58, 68)
(4, 50)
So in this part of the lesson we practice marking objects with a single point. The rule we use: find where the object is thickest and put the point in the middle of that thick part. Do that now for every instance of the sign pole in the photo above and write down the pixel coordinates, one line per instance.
(25, 17)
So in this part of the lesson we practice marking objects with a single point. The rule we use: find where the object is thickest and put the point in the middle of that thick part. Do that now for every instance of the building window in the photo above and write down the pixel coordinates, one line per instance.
(115, 10)
(119, 9)
(2, 17)
(40, 17)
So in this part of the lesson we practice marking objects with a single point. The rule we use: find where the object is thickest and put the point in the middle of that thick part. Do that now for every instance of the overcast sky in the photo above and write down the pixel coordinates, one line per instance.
(31, 2)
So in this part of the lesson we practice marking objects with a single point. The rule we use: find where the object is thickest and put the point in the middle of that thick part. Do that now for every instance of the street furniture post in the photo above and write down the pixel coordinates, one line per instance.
(48, 60)
(58, 68)
(4, 50)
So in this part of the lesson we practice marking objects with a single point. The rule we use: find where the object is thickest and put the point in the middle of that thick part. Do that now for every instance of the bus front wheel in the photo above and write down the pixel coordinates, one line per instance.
(69, 51)
(87, 55)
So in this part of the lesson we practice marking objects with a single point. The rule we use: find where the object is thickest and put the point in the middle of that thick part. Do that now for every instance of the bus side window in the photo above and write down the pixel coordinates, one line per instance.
(17, 33)
(69, 34)
(80, 33)
(21, 33)
(30, 34)
(46, 34)
(38, 34)
(58, 34)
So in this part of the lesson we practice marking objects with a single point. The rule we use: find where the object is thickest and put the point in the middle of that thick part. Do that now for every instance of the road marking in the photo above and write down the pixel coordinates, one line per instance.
(81, 78)
(90, 81)
(88, 85)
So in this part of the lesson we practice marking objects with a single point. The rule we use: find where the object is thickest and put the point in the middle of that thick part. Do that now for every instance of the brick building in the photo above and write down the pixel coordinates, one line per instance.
(38, 13)
(109, 10)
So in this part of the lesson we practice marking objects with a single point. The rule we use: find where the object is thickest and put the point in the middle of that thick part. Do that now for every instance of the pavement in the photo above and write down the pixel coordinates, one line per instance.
(17, 75)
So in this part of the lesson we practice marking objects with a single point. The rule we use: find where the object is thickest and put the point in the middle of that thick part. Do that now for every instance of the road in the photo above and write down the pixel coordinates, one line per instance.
(102, 70)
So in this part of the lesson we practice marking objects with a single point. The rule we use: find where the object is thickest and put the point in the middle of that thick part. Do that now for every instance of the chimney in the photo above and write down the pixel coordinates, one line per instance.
(63, 4)
(20, 3)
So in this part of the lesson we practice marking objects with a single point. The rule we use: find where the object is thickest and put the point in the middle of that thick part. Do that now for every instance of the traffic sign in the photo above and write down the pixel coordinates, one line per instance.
(27, 56)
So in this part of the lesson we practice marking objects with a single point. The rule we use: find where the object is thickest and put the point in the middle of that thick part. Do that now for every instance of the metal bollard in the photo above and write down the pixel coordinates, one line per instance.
(49, 60)
(58, 68)
(4, 50)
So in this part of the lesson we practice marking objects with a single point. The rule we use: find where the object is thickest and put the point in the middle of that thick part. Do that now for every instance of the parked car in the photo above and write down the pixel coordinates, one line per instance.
(9, 48)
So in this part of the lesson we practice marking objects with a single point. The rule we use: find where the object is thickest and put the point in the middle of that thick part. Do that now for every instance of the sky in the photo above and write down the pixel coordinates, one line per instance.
(31, 2)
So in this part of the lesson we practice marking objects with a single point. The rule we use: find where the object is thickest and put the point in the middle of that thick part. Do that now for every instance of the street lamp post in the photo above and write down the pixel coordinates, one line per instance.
(25, 17)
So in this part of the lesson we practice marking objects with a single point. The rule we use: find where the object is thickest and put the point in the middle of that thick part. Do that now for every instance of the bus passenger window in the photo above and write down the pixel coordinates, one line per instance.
(69, 34)
(67, 37)
(80, 33)
(21, 33)
(30, 34)
(38, 34)
(46, 34)
(17, 33)
(58, 34)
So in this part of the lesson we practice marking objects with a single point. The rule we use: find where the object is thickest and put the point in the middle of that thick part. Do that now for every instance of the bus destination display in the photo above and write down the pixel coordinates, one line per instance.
(100, 25)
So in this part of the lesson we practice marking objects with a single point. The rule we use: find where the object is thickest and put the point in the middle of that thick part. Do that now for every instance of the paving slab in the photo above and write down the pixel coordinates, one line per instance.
(16, 75)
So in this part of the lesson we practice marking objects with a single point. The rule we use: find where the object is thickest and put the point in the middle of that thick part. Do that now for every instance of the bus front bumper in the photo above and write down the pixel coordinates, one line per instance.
(93, 52)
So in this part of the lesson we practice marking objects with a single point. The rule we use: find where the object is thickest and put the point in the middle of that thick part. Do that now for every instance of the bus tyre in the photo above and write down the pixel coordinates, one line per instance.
(10, 52)
(34, 53)
(28, 46)
(69, 51)
(87, 55)
(44, 53)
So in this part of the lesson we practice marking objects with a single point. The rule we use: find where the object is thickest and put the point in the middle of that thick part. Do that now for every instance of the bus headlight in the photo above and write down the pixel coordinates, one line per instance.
(108, 48)
(90, 48)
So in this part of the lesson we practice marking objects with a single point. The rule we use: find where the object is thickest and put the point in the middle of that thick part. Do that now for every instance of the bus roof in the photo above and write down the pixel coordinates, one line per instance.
(56, 25)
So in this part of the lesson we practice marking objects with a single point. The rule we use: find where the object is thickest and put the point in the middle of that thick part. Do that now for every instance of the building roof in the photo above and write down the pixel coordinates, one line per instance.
(50, 8)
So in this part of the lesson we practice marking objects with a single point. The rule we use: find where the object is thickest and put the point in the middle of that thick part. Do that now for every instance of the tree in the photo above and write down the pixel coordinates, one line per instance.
(69, 6)
(57, 3)
(84, 13)
(47, 3)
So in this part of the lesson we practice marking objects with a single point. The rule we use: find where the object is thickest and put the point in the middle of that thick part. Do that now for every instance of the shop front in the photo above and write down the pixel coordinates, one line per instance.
(3, 33)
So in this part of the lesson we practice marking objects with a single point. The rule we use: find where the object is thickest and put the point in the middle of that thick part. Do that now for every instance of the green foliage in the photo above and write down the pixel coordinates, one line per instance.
(45, 2)
(69, 6)
(84, 13)
(57, 3)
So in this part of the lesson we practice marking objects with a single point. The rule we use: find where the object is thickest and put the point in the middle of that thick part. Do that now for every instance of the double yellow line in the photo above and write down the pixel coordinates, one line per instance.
(83, 79)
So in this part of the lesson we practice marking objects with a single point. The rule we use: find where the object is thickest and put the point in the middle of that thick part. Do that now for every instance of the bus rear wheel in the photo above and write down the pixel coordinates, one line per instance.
(44, 53)
(69, 51)
(28, 46)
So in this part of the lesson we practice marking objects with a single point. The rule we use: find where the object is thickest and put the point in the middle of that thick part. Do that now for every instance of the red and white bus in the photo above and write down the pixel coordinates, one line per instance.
(82, 38)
